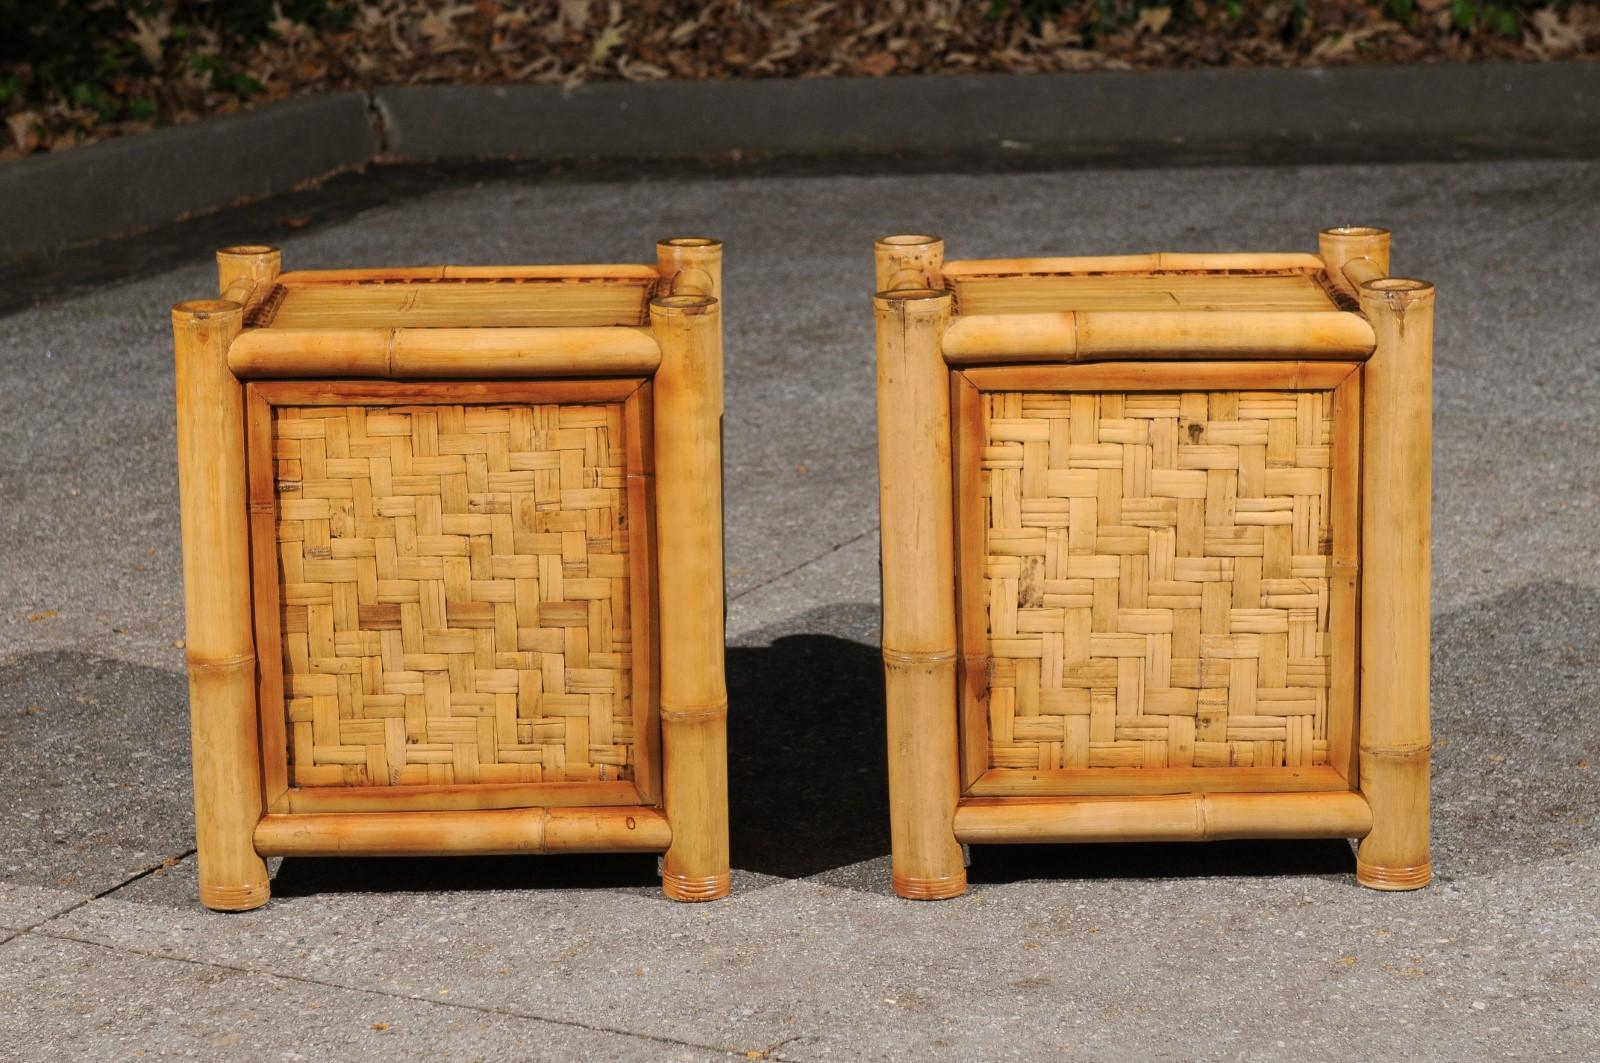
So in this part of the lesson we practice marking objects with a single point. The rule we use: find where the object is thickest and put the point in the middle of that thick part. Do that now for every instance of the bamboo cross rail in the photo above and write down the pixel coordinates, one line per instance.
(1155, 551)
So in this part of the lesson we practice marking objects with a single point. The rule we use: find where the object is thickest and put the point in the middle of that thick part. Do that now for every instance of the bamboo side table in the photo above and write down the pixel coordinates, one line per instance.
(453, 564)
(1155, 551)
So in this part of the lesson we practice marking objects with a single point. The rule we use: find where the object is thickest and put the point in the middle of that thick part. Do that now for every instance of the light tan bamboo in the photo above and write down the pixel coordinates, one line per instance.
(1126, 782)
(1396, 529)
(216, 584)
(1163, 818)
(919, 618)
(1168, 335)
(694, 697)
(308, 278)
(1144, 263)
(1346, 244)
(690, 265)
(452, 353)
(247, 272)
(484, 831)
(909, 261)
(1359, 271)
(460, 797)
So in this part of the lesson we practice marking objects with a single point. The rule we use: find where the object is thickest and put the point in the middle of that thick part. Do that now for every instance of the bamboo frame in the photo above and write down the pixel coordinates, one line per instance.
(444, 353)
(494, 832)
(694, 697)
(1164, 817)
(1184, 335)
(914, 261)
(1153, 262)
(216, 583)
(1396, 529)
(919, 621)
(1363, 247)
(676, 802)
(1367, 342)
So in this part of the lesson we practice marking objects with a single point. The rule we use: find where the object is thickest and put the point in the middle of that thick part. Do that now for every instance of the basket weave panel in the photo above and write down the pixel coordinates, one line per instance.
(454, 592)
(1157, 578)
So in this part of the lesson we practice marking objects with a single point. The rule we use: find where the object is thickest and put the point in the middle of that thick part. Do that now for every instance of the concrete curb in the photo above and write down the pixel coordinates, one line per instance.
(123, 185)
(1183, 117)
(1327, 115)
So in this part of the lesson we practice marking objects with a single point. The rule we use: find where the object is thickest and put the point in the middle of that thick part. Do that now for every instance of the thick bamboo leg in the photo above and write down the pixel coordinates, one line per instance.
(247, 272)
(1397, 433)
(216, 582)
(694, 697)
(912, 261)
(919, 617)
(1364, 245)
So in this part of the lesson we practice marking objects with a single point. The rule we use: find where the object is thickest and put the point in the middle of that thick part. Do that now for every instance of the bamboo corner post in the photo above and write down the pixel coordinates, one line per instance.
(919, 622)
(1155, 551)
(914, 260)
(452, 547)
(694, 699)
(1397, 428)
(216, 581)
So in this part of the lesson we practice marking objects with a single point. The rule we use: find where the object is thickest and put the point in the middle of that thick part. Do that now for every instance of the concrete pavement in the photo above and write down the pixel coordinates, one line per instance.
(1231, 951)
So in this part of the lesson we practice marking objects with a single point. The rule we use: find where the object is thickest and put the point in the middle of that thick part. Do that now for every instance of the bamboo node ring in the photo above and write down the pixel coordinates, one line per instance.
(204, 308)
(907, 295)
(1409, 286)
(684, 304)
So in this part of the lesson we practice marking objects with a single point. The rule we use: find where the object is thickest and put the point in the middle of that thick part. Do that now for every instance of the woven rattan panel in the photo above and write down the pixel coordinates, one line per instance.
(454, 591)
(1157, 578)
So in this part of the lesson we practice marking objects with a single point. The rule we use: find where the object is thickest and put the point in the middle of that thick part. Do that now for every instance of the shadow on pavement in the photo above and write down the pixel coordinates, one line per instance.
(102, 747)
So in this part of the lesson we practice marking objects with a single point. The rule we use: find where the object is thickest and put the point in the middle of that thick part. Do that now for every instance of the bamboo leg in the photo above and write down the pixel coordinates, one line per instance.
(1396, 429)
(912, 261)
(247, 272)
(216, 581)
(694, 697)
(1352, 243)
(692, 265)
(919, 618)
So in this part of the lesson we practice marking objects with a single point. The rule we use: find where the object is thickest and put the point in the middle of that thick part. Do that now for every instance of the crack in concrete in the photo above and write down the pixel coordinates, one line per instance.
(829, 552)
(484, 1009)
(169, 862)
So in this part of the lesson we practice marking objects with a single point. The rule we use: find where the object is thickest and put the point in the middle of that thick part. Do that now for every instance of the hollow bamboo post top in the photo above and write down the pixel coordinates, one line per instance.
(690, 265)
(912, 260)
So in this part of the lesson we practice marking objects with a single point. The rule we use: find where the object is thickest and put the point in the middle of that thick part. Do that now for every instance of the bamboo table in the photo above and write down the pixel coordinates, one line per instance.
(1155, 551)
(453, 564)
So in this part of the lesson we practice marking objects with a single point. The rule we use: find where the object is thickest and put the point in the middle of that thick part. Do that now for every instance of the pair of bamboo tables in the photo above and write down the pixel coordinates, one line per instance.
(1155, 557)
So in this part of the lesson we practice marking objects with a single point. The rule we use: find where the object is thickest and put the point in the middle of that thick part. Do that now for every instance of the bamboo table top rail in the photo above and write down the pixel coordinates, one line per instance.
(454, 301)
(1159, 306)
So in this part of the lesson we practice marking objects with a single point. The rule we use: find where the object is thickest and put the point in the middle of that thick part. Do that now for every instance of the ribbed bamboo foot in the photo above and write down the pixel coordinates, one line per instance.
(235, 898)
(686, 888)
(1394, 878)
(929, 889)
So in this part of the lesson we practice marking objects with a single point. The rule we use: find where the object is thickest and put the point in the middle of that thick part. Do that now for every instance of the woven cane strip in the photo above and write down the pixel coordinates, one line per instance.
(454, 584)
(1156, 578)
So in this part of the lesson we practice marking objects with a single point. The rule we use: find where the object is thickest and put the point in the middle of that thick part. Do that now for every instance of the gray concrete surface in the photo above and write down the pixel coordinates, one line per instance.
(1230, 951)
(1388, 113)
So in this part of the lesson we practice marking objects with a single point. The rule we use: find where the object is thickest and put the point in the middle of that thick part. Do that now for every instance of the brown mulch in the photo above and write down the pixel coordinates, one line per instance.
(573, 41)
